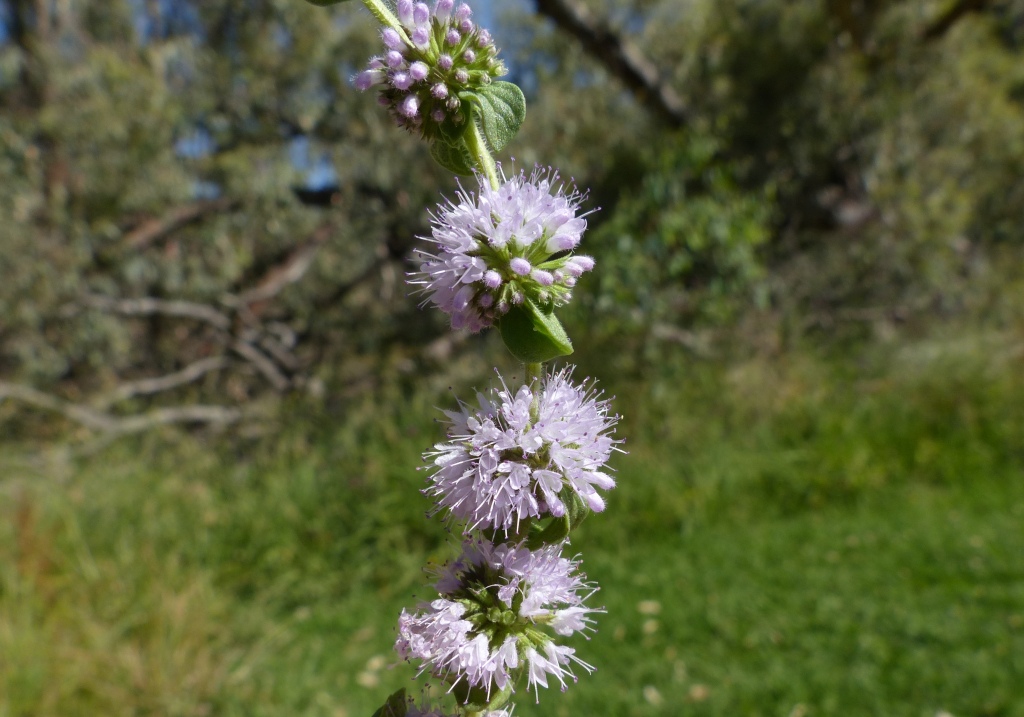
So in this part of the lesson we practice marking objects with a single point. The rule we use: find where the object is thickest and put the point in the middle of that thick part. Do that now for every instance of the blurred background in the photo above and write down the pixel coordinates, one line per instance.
(215, 387)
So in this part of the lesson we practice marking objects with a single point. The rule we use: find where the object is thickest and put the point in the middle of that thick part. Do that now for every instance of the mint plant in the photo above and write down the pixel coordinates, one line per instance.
(521, 469)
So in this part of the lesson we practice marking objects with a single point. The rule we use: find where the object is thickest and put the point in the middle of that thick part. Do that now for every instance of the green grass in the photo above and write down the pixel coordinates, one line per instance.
(790, 536)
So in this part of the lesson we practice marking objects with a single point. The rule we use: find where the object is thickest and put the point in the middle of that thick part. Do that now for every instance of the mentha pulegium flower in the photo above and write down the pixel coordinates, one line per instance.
(497, 248)
(421, 74)
(500, 466)
(489, 623)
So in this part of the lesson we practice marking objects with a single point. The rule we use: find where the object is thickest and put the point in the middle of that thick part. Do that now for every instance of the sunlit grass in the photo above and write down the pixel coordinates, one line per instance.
(789, 537)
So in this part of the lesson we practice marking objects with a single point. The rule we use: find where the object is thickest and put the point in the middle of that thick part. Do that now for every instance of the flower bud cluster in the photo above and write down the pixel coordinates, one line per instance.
(437, 55)
(499, 247)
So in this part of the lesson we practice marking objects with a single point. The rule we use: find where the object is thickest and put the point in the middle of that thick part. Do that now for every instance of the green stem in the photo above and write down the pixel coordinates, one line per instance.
(384, 15)
(534, 374)
(481, 155)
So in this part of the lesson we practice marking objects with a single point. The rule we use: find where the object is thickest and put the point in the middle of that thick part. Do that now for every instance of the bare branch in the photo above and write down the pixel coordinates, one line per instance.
(946, 20)
(147, 306)
(113, 425)
(147, 386)
(153, 230)
(622, 58)
(221, 415)
(263, 364)
(289, 271)
(201, 312)
(93, 420)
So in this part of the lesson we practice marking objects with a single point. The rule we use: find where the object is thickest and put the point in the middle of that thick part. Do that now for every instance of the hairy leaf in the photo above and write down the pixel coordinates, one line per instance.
(502, 108)
(453, 157)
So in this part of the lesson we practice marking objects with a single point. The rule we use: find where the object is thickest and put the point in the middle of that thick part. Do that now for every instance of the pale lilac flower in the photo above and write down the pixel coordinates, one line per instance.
(412, 66)
(501, 466)
(487, 243)
(495, 603)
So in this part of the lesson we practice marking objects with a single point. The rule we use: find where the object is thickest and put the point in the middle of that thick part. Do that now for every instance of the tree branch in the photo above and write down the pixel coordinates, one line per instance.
(622, 58)
(289, 271)
(155, 229)
(114, 425)
(148, 386)
(148, 306)
(941, 25)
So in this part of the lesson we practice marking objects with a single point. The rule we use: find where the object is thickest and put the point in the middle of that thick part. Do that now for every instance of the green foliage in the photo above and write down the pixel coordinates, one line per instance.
(684, 245)
(837, 174)
(748, 562)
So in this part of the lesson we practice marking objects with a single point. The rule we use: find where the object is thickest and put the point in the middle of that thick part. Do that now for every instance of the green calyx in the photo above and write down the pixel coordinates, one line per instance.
(485, 611)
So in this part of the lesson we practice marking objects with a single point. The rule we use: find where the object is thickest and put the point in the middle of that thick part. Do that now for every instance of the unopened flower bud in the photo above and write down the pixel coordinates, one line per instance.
(520, 266)
(405, 10)
(421, 37)
(443, 10)
(410, 106)
(562, 242)
(492, 279)
(544, 278)
(401, 81)
(368, 78)
(392, 39)
(418, 71)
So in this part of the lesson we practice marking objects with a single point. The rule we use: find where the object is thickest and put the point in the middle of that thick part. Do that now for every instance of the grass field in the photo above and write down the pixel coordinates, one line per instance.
(790, 536)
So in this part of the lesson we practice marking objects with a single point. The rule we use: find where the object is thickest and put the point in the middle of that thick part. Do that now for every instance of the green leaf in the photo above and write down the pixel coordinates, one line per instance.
(534, 335)
(396, 706)
(576, 511)
(454, 157)
(554, 532)
(502, 108)
(325, 3)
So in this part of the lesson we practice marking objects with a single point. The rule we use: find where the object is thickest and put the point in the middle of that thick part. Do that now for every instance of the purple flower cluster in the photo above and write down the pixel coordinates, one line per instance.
(502, 465)
(499, 247)
(495, 603)
(526, 463)
(436, 55)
